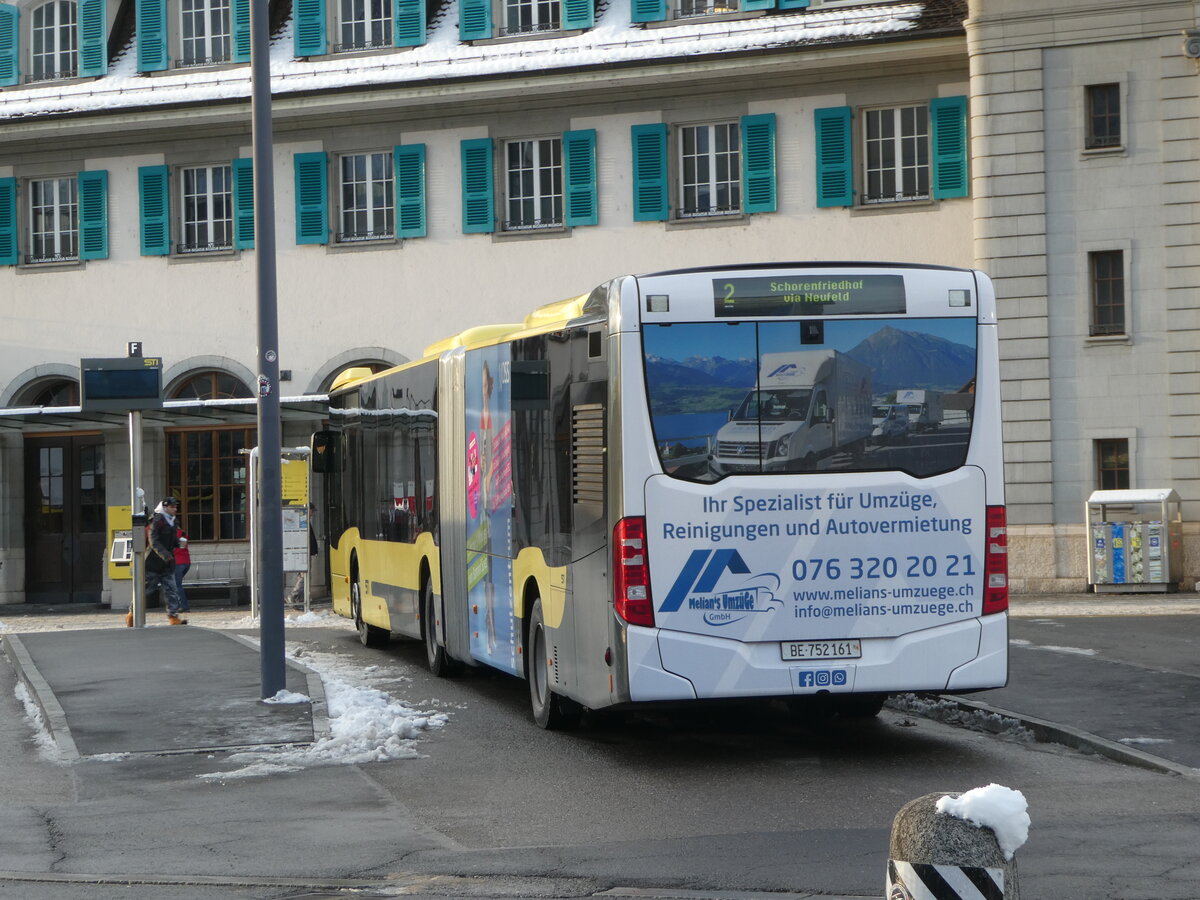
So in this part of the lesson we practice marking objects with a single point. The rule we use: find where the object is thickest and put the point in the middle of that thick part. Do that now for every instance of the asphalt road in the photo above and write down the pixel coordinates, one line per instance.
(712, 803)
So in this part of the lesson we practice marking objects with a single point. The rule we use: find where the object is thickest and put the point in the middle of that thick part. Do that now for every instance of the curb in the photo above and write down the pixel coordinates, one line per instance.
(315, 687)
(1046, 732)
(43, 696)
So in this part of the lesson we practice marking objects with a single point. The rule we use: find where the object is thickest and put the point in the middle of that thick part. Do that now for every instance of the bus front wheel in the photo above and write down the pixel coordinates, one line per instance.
(550, 710)
(368, 635)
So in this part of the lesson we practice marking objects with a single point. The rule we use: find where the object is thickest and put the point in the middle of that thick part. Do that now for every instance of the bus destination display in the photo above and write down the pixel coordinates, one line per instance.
(809, 295)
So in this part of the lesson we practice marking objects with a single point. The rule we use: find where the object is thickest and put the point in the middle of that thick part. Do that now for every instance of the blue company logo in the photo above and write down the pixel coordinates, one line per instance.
(697, 582)
(823, 678)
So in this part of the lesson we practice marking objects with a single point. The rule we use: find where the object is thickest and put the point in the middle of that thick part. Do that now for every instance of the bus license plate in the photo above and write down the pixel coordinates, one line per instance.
(850, 648)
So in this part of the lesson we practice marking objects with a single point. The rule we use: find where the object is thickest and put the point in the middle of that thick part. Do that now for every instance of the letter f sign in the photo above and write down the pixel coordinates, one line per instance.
(698, 576)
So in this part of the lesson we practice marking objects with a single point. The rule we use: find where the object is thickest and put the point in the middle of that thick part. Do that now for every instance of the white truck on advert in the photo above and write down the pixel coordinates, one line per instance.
(924, 408)
(809, 405)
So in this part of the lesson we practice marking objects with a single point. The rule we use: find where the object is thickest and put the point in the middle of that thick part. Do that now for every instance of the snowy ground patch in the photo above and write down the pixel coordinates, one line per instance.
(951, 713)
(47, 748)
(366, 724)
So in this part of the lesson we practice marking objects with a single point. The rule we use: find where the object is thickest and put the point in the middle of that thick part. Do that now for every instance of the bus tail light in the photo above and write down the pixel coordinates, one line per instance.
(631, 573)
(995, 566)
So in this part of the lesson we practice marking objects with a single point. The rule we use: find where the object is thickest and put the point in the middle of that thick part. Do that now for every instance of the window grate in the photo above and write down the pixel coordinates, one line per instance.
(587, 453)
(52, 76)
(32, 260)
(191, 62)
(357, 46)
(351, 237)
(531, 224)
(202, 248)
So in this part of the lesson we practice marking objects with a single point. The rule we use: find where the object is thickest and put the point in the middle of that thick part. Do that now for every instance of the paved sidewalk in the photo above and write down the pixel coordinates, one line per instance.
(158, 690)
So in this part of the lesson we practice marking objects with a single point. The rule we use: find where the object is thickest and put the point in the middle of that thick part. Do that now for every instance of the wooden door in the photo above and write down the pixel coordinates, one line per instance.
(65, 532)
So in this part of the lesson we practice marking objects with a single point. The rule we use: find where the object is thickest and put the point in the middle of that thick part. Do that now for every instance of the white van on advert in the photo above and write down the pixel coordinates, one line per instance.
(808, 405)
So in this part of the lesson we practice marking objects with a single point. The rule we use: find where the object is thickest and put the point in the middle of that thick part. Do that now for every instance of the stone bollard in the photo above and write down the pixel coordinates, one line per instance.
(936, 855)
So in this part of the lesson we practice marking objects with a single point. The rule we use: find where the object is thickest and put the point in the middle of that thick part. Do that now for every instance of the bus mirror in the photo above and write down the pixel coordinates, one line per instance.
(323, 452)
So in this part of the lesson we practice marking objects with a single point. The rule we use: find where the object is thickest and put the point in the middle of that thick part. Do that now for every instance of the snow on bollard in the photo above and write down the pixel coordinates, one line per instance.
(958, 846)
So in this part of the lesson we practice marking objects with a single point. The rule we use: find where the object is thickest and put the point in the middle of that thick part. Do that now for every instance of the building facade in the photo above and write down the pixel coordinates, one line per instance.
(440, 164)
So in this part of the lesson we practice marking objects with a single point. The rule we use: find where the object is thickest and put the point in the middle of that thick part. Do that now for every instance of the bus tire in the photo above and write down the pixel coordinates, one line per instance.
(550, 710)
(440, 664)
(368, 635)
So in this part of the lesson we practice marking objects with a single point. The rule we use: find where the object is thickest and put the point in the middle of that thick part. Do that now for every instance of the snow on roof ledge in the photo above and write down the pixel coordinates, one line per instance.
(613, 40)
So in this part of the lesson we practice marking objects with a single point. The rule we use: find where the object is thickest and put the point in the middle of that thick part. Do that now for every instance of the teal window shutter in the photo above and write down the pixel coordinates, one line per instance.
(93, 215)
(474, 20)
(410, 190)
(155, 210)
(92, 23)
(648, 10)
(8, 221)
(151, 16)
(312, 198)
(758, 163)
(309, 16)
(579, 178)
(243, 204)
(793, 4)
(408, 23)
(477, 198)
(835, 172)
(578, 14)
(951, 173)
(10, 65)
(756, 4)
(650, 198)
(240, 16)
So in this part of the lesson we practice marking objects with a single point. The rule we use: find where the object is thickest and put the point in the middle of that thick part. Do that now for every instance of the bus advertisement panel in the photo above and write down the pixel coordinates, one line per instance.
(489, 507)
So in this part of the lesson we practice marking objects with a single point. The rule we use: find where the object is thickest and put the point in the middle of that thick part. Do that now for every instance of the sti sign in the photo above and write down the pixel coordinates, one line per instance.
(121, 384)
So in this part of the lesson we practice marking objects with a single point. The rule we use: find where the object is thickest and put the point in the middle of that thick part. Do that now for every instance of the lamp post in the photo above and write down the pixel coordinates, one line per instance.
(269, 545)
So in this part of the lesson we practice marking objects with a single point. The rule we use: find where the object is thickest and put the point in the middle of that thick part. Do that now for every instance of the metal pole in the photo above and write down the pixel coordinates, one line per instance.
(252, 510)
(269, 518)
(137, 570)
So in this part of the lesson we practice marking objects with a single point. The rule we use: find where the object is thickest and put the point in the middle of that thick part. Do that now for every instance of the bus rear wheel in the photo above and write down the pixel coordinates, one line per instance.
(440, 664)
(551, 711)
(368, 635)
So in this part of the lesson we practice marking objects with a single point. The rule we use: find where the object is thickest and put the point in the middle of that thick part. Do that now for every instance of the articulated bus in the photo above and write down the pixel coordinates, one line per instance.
(672, 489)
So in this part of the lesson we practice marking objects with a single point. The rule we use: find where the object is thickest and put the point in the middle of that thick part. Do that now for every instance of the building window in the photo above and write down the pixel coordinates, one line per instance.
(710, 170)
(534, 175)
(690, 8)
(1107, 275)
(55, 41)
(366, 24)
(896, 154)
(206, 32)
(1112, 465)
(1103, 116)
(368, 197)
(531, 16)
(58, 392)
(207, 208)
(53, 220)
(205, 467)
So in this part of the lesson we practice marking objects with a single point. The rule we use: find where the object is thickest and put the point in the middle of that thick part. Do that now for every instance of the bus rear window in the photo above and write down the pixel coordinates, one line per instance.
(751, 398)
